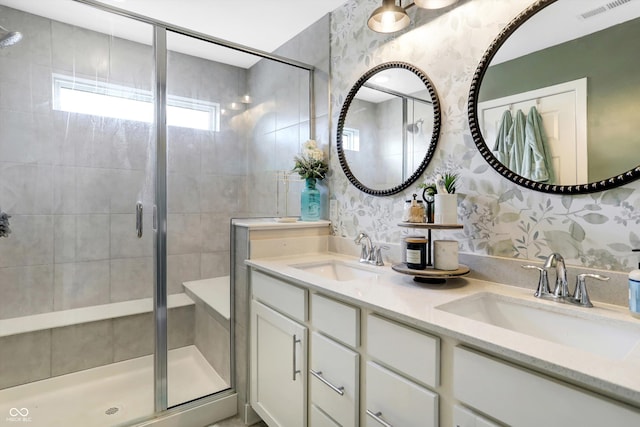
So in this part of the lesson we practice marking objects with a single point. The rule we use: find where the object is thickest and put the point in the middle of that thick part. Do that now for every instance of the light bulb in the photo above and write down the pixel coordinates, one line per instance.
(388, 18)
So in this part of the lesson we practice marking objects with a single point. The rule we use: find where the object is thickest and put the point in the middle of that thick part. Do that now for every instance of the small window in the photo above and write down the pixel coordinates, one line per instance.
(77, 95)
(351, 139)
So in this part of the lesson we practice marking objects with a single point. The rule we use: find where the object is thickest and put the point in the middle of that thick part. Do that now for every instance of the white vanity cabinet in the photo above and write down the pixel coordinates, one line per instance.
(320, 361)
(520, 397)
(403, 361)
(278, 352)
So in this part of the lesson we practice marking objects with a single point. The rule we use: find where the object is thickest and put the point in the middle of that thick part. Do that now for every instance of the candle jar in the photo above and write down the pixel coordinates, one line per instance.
(416, 253)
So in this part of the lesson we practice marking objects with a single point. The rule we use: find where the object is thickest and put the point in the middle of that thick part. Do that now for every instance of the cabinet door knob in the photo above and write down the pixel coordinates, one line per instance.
(318, 375)
(378, 417)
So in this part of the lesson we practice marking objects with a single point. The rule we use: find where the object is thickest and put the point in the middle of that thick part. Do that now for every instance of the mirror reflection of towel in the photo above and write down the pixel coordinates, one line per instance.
(500, 149)
(536, 161)
(515, 142)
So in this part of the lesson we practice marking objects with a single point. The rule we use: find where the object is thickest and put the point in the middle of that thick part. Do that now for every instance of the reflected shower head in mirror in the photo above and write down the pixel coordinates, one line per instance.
(414, 127)
(8, 38)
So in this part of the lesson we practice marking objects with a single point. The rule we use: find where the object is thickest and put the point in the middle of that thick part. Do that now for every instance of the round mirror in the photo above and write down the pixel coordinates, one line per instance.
(555, 101)
(388, 128)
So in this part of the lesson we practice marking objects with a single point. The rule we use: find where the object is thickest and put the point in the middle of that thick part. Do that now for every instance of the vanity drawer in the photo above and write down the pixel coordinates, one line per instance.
(317, 418)
(413, 353)
(287, 299)
(398, 401)
(335, 319)
(517, 396)
(334, 387)
(464, 417)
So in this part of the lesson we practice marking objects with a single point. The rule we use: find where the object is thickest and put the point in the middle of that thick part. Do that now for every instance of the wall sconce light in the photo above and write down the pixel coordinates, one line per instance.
(390, 17)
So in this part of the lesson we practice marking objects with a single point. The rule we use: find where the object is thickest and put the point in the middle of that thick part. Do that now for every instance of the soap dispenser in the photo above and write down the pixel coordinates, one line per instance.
(634, 291)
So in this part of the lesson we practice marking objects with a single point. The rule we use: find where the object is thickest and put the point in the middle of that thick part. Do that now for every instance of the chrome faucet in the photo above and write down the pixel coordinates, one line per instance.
(367, 247)
(369, 253)
(561, 289)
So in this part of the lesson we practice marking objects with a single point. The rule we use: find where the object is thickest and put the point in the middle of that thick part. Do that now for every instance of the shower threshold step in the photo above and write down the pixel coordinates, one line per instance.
(110, 395)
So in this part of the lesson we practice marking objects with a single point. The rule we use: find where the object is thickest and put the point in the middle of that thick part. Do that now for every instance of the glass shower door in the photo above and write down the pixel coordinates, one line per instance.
(76, 156)
(206, 186)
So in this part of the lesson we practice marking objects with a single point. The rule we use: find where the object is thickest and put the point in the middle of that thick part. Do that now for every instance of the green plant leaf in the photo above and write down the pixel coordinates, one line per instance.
(481, 169)
(620, 247)
(518, 193)
(502, 248)
(594, 218)
(509, 217)
(562, 242)
(616, 196)
(577, 232)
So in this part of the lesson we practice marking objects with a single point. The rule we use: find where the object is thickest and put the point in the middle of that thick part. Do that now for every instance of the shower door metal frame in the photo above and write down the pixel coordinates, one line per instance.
(161, 346)
(160, 30)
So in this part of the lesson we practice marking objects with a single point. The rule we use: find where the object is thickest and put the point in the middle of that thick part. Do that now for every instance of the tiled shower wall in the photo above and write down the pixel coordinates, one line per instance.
(71, 181)
(280, 120)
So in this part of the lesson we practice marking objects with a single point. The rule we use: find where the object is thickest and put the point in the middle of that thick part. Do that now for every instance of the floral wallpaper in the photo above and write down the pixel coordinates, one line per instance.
(500, 218)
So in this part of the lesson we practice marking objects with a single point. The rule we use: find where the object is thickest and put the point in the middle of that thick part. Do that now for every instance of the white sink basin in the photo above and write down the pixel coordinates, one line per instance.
(595, 334)
(337, 270)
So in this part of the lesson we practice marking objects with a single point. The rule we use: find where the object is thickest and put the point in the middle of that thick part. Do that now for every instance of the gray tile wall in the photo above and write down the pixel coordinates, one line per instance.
(71, 181)
(280, 120)
(278, 134)
(43, 354)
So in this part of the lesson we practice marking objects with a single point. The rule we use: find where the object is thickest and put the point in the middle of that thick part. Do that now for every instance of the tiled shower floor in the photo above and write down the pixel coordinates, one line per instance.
(108, 395)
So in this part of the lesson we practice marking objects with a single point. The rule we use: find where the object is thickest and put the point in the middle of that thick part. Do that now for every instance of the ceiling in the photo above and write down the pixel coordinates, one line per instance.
(260, 24)
(564, 21)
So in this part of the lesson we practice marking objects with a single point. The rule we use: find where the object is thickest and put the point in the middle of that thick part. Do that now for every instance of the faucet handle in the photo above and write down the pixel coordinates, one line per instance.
(543, 281)
(364, 253)
(581, 296)
(377, 259)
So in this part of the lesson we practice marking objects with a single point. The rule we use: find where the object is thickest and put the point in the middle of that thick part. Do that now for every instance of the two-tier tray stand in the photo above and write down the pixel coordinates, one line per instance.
(430, 274)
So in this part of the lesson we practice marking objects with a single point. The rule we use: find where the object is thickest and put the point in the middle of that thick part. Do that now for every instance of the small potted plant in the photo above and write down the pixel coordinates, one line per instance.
(446, 201)
(441, 193)
(311, 166)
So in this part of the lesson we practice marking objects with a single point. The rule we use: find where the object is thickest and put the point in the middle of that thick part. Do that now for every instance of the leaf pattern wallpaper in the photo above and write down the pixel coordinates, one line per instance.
(500, 218)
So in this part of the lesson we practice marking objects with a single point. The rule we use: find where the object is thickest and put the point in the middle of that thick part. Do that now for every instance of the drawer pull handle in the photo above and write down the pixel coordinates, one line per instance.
(295, 353)
(378, 417)
(318, 375)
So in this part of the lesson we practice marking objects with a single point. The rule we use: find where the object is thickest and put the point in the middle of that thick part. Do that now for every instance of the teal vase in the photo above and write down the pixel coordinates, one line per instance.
(310, 201)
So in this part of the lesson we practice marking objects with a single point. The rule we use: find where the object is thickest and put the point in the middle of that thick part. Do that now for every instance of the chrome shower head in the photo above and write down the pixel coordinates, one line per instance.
(9, 38)
(414, 127)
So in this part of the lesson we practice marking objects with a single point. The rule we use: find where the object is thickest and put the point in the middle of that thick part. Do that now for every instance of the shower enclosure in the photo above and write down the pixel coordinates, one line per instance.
(126, 145)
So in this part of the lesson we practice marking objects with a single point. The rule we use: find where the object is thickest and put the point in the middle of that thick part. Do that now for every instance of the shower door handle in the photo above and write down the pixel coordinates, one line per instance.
(139, 219)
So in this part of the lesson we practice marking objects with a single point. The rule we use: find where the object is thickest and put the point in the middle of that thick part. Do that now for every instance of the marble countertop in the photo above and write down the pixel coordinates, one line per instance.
(398, 296)
(269, 223)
